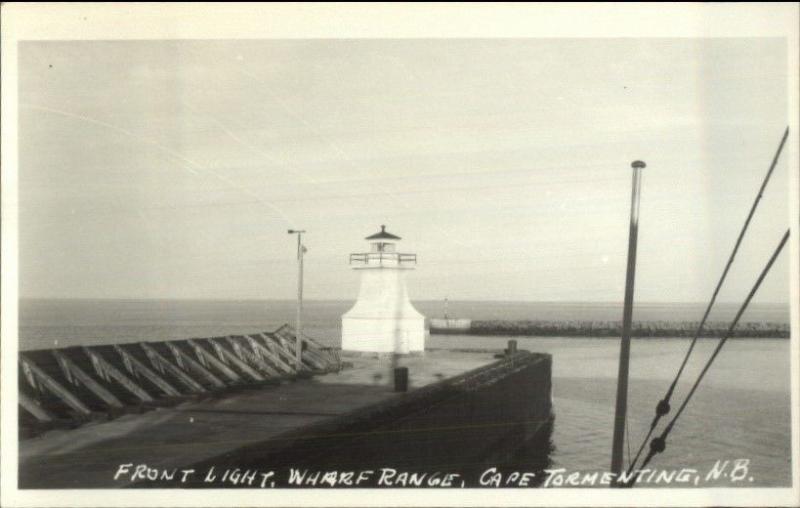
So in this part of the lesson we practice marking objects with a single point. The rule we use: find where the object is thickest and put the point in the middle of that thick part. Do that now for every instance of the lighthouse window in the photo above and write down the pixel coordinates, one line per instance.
(382, 247)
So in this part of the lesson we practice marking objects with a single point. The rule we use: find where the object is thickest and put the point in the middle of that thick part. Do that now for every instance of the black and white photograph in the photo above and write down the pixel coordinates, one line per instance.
(340, 255)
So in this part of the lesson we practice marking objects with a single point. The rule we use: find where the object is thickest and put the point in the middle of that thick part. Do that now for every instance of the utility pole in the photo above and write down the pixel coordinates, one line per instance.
(627, 315)
(299, 321)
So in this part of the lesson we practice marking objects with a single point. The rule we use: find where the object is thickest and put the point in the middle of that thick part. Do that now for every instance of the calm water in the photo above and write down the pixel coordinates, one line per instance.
(742, 409)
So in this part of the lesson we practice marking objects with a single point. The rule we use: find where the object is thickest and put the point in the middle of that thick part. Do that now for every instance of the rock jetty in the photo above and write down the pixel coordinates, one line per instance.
(545, 328)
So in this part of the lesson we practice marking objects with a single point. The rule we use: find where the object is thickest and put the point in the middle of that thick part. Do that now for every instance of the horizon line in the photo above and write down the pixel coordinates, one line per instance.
(466, 300)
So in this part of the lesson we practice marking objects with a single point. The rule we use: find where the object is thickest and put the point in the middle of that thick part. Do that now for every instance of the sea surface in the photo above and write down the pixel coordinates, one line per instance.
(741, 411)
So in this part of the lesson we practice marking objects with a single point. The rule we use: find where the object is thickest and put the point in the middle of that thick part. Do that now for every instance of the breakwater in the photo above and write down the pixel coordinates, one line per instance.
(644, 329)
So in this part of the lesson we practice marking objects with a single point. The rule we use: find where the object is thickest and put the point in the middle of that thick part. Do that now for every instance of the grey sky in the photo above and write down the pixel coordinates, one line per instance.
(173, 169)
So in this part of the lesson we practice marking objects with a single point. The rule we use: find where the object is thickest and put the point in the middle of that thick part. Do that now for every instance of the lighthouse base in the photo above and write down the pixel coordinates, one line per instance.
(383, 335)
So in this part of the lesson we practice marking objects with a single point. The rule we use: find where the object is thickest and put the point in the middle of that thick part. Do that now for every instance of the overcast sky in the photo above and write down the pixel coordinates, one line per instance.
(173, 169)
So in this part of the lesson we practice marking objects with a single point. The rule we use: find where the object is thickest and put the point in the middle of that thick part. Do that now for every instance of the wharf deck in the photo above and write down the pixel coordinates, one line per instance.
(213, 425)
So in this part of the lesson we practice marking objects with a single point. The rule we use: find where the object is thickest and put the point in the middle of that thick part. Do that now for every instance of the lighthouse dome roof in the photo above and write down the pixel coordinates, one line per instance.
(383, 235)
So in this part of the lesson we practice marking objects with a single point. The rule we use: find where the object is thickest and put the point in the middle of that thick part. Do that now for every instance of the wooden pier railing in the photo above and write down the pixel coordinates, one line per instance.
(70, 386)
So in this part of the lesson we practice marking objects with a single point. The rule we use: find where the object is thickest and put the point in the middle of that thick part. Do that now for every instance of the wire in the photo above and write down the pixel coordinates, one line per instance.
(658, 444)
(663, 407)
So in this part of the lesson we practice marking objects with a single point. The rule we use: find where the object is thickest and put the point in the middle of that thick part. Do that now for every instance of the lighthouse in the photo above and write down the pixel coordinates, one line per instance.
(383, 319)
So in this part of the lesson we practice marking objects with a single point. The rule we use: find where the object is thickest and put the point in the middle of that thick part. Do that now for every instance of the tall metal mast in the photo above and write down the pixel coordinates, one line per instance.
(627, 315)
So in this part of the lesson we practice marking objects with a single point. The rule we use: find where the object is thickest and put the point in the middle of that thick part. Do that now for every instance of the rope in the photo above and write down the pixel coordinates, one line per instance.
(658, 444)
(663, 407)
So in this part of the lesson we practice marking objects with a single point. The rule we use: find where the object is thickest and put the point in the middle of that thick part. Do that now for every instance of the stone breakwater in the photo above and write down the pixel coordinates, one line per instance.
(545, 328)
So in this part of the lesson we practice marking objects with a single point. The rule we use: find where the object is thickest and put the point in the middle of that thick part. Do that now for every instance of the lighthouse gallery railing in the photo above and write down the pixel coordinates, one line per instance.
(380, 257)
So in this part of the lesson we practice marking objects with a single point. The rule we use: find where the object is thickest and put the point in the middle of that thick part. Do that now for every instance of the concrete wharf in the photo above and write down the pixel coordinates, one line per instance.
(300, 419)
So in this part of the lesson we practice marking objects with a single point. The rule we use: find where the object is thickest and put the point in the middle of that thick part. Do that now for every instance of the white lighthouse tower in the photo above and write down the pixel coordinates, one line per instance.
(383, 319)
